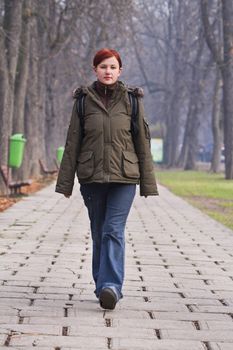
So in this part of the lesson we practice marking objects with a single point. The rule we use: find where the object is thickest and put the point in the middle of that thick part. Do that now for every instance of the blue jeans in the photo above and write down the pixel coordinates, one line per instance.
(108, 207)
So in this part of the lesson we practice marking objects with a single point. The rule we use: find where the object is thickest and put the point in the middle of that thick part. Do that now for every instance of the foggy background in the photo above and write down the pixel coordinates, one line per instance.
(179, 51)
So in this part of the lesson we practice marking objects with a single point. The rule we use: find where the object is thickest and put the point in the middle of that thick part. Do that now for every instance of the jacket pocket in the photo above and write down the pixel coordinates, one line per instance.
(130, 165)
(85, 167)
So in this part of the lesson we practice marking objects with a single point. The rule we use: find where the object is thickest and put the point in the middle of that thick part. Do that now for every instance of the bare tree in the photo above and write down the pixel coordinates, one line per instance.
(9, 49)
(227, 72)
(172, 29)
(217, 125)
(225, 64)
(22, 69)
(51, 27)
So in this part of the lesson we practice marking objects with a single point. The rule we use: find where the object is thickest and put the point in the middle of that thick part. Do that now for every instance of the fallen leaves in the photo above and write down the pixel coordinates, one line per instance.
(36, 185)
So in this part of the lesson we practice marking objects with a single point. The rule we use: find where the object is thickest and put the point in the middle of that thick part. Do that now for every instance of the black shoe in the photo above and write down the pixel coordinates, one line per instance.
(108, 299)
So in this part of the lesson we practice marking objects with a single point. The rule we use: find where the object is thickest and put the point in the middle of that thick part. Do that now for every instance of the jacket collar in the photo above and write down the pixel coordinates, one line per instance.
(119, 90)
(104, 89)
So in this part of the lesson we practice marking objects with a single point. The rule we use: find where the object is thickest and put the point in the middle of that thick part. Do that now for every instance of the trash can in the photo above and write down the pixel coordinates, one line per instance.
(60, 151)
(16, 150)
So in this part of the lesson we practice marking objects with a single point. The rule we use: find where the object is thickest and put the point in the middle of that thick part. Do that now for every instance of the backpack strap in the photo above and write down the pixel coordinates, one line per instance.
(81, 111)
(79, 95)
(134, 93)
(134, 115)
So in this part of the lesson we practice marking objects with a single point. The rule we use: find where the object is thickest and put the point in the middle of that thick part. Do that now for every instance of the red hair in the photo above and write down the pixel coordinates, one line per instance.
(106, 53)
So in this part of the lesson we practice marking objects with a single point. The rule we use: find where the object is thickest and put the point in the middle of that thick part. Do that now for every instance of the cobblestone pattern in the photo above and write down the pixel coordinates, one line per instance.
(178, 291)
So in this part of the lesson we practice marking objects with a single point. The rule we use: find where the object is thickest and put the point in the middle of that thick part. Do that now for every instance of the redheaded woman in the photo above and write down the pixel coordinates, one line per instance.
(108, 146)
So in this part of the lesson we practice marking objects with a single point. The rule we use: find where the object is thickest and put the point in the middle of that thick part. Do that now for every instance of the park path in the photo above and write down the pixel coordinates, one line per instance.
(178, 291)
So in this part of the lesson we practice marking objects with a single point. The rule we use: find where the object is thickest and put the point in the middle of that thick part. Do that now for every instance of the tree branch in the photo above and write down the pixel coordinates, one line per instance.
(209, 34)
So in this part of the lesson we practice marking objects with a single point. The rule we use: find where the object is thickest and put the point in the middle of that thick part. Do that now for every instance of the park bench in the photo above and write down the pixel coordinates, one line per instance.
(13, 186)
(46, 171)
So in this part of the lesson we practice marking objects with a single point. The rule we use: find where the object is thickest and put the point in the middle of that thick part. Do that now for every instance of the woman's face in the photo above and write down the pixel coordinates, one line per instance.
(108, 71)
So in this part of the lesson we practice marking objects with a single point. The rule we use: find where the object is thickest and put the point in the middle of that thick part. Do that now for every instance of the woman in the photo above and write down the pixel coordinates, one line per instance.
(110, 158)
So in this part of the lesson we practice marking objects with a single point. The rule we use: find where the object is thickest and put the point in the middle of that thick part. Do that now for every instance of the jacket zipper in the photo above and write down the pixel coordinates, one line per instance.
(105, 94)
(106, 104)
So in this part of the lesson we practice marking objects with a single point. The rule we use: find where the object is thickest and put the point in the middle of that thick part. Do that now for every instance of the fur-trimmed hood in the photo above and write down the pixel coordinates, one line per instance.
(137, 91)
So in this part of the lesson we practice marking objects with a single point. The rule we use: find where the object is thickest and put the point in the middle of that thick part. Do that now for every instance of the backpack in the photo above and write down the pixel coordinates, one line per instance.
(133, 102)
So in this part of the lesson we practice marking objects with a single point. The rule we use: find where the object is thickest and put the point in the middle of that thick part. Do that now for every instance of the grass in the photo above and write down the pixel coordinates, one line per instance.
(209, 192)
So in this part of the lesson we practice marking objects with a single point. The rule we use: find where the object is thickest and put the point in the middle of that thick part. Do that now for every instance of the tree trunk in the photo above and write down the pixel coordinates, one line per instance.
(22, 70)
(187, 132)
(9, 56)
(12, 27)
(217, 123)
(4, 88)
(31, 166)
(171, 141)
(175, 70)
(9, 48)
(41, 152)
(4, 132)
(189, 149)
(227, 72)
(54, 128)
(193, 138)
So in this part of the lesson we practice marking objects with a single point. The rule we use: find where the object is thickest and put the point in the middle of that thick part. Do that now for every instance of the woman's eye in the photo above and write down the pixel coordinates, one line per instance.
(104, 67)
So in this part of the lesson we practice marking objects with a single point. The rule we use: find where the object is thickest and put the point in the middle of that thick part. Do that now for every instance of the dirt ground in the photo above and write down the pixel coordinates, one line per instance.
(219, 209)
(6, 202)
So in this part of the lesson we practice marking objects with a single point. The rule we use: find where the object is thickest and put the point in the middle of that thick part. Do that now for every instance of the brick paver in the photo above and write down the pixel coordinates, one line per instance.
(178, 291)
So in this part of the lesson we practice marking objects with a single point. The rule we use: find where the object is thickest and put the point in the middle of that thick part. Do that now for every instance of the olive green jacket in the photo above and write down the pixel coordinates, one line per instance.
(107, 152)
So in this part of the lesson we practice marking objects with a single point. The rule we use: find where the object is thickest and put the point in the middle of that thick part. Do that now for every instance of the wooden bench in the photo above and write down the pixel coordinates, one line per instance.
(46, 171)
(13, 186)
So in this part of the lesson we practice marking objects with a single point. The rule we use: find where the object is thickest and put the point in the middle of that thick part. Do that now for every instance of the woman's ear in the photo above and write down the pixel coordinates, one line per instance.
(120, 71)
(94, 69)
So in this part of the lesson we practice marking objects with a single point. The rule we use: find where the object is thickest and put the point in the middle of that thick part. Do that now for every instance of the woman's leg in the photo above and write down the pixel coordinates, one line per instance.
(94, 196)
(111, 269)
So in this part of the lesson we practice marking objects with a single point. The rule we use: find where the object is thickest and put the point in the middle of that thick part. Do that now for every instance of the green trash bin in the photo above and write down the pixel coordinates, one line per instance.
(60, 152)
(16, 150)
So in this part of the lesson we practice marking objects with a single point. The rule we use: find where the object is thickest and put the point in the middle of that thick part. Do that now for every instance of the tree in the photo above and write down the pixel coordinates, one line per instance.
(227, 72)
(9, 50)
(217, 125)
(22, 69)
(171, 31)
(224, 61)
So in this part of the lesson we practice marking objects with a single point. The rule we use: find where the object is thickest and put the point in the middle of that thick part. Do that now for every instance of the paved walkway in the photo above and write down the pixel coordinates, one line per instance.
(178, 292)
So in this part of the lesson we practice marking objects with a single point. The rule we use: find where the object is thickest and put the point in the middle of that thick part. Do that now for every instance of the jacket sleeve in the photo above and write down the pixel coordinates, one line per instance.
(65, 180)
(148, 186)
